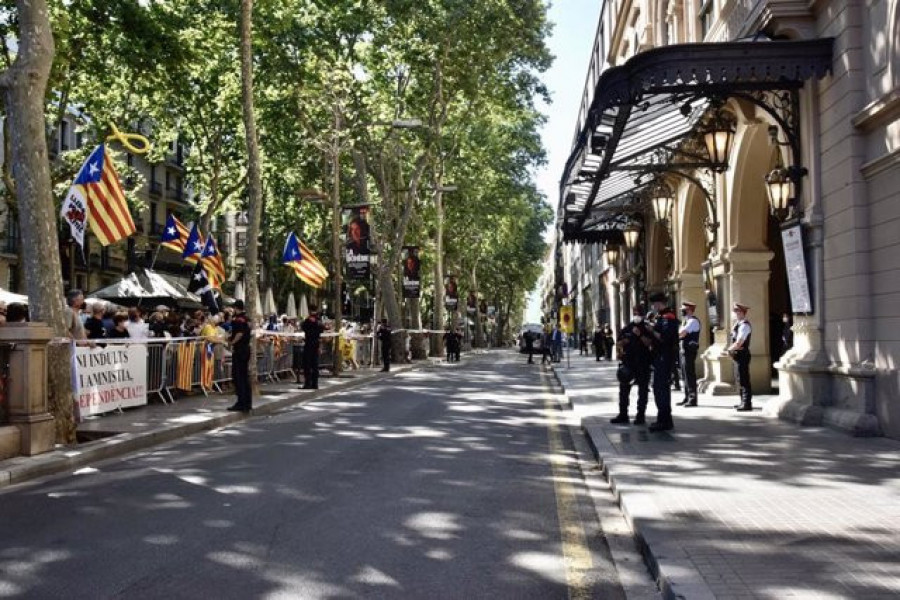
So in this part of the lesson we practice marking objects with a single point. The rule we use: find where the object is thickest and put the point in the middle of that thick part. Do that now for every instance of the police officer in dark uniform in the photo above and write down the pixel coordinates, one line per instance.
(240, 359)
(690, 344)
(528, 338)
(384, 336)
(665, 333)
(312, 329)
(740, 353)
(634, 350)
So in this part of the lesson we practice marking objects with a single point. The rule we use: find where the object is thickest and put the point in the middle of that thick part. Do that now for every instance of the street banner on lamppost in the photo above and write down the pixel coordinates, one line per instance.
(451, 293)
(412, 282)
(356, 234)
(471, 303)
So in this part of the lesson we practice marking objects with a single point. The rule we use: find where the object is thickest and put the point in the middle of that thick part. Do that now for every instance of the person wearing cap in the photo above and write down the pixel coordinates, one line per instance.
(240, 359)
(634, 352)
(739, 350)
(689, 334)
(665, 333)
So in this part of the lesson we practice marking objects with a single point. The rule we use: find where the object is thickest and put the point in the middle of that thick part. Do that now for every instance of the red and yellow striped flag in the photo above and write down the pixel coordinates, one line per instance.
(306, 266)
(207, 366)
(99, 184)
(185, 372)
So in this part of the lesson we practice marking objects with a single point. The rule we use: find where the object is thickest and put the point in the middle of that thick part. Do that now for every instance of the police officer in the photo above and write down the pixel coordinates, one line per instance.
(240, 359)
(312, 329)
(665, 333)
(634, 351)
(529, 346)
(740, 352)
(690, 344)
(384, 336)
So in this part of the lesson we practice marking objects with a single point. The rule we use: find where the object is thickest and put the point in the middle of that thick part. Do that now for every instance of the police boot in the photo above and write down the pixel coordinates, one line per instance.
(744, 407)
(684, 402)
(639, 418)
(620, 419)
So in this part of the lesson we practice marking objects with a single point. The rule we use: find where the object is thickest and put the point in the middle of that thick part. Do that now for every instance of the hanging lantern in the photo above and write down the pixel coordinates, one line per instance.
(632, 234)
(718, 136)
(780, 188)
(662, 200)
(612, 254)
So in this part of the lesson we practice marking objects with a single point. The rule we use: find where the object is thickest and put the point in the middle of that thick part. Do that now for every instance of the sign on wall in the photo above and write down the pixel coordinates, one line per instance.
(107, 379)
(795, 263)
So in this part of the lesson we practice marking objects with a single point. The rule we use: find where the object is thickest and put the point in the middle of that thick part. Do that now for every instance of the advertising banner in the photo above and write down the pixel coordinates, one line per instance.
(451, 293)
(107, 379)
(471, 303)
(567, 319)
(412, 282)
(795, 263)
(356, 236)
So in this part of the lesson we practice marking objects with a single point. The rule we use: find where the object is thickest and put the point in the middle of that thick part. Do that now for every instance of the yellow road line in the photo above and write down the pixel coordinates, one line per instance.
(576, 553)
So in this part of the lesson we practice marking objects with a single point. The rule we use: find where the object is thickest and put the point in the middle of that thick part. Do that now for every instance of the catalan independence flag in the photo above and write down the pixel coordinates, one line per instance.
(185, 371)
(212, 260)
(174, 235)
(304, 263)
(207, 366)
(98, 185)
(193, 246)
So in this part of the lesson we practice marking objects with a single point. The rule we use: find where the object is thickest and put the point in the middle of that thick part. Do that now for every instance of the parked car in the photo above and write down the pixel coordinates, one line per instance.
(537, 333)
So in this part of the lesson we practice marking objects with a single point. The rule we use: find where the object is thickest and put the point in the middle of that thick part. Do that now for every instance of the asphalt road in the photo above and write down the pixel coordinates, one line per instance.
(447, 482)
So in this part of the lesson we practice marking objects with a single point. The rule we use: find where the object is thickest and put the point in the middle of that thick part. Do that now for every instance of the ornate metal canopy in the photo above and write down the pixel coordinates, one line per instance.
(644, 114)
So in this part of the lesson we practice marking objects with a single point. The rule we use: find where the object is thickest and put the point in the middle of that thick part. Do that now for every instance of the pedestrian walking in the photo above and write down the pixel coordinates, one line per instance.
(739, 350)
(384, 336)
(312, 330)
(457, 345)
(599, 342)
(529, 346)
(557, 344)
(634, 351)
(582, 342)
(547, 348)
(608, 341)
(240, 359)
(689, 334)
(665, 331)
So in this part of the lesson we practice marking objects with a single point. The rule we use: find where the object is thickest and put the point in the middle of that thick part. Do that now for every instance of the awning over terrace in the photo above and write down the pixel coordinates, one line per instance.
(644, 116)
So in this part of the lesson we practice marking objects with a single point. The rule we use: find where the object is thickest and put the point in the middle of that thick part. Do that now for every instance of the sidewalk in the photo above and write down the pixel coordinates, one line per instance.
(115, 434)
(741, 505)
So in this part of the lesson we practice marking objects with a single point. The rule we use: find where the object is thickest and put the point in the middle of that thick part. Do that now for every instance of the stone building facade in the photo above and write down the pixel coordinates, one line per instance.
(811, 90)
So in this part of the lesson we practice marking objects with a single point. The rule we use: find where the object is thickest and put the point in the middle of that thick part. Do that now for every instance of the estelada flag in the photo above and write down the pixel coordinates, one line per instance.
(185, 372)
(212, 260)
(207, 366)
(193, 246)
(304, 263)
(174, 235)
(97, 187)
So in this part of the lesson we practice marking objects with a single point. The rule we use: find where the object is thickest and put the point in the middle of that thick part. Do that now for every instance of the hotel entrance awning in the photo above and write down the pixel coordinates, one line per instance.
(644, 113)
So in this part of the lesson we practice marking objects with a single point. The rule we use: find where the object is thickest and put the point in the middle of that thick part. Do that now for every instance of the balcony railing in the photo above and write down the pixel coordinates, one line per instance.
(176, 194)
(155, 188)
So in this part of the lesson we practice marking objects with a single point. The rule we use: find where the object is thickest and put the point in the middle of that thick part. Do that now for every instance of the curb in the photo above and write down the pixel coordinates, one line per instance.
(675, 574)
(68, 458)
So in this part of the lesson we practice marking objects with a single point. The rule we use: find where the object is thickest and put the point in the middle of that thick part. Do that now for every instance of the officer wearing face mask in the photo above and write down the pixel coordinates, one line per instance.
(690, 343)
(634, 349)
(740, 352)
(665, 333)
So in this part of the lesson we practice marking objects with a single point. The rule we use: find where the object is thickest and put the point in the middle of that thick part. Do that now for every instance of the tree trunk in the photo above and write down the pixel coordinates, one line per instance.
(437, 323)
(254, 172)
(25, 86)
(417, 343)
(336, 249)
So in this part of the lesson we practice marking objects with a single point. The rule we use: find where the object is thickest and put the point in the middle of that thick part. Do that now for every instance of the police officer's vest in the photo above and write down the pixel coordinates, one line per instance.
(734, 336)
(691, 341)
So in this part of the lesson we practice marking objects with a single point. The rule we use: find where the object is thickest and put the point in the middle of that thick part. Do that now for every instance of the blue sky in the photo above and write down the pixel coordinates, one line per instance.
(575, 23)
